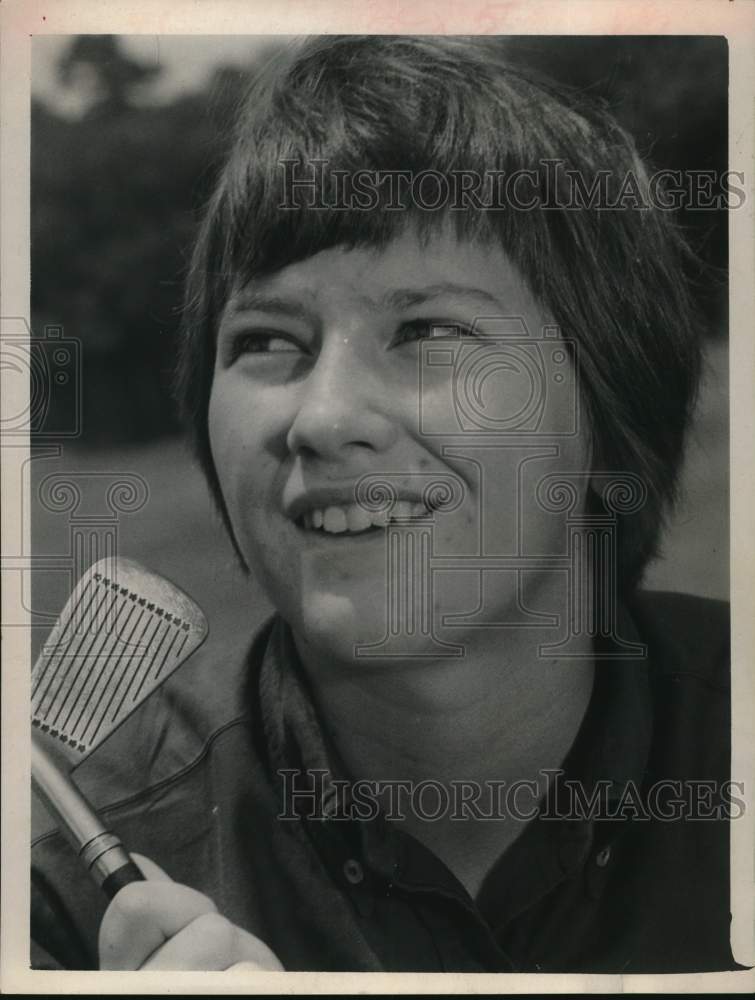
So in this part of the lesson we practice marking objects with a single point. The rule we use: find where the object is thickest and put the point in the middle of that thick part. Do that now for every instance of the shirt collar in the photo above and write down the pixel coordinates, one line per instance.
(613, 742)
(612, 747)
(296, 738)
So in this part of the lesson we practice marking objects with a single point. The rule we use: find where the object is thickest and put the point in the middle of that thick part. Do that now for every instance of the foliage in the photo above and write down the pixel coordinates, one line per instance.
(115, 201)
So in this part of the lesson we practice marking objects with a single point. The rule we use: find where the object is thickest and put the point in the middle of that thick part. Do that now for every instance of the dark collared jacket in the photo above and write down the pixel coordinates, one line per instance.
(632, 876)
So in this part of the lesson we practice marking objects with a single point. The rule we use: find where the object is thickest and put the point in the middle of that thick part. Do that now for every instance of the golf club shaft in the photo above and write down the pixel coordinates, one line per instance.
(100, 851)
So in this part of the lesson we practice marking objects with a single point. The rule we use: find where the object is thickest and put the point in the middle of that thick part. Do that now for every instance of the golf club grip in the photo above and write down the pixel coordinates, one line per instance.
(100, 851)
(121, 876)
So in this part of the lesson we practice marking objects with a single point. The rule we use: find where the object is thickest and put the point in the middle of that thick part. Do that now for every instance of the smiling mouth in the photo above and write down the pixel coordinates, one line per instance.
(352, 519)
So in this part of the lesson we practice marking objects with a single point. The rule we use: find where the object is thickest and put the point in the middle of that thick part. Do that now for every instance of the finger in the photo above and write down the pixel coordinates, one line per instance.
(206, 944)
(149, 869)
(213, 943)
(142, 917)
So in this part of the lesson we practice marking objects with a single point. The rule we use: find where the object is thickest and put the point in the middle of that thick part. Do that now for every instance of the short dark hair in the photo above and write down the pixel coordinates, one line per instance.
(616, 280)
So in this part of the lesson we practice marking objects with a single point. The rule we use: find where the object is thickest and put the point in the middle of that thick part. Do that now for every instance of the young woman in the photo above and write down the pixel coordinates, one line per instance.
(439, 361)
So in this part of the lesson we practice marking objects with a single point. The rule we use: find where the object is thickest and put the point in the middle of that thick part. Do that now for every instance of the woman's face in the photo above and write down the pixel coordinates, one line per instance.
(408, 365)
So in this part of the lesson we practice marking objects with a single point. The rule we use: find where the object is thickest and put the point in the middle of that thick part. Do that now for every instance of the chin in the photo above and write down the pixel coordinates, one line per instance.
(353, 629)
(333, 625)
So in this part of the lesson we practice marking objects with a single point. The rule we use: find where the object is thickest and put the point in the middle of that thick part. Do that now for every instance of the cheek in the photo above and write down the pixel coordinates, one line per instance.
(499, 388)
(236, 443)
(221, 432)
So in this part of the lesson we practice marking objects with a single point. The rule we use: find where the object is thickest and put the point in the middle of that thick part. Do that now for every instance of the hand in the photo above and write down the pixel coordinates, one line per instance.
(161, 925)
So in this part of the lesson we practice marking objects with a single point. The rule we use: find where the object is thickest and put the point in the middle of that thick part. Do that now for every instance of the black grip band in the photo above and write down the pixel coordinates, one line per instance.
(121, 876)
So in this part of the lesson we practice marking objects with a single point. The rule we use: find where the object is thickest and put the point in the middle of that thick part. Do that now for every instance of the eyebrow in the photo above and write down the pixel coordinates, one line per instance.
(404, 297)
(400, 298)
(248, 301)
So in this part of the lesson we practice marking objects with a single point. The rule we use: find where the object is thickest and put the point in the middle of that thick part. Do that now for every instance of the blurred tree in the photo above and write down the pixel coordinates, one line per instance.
(115, 200)
(112, 77)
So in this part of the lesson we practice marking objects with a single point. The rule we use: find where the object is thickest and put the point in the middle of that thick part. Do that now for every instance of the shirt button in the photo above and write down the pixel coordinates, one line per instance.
(353, 871)
(603, 857)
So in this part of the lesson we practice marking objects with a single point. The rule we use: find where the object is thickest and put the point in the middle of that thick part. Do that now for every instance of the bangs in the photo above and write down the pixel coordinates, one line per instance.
(383, 114)
(268, 241)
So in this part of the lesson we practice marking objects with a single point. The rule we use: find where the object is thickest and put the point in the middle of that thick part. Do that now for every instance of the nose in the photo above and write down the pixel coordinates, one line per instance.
(343, 406)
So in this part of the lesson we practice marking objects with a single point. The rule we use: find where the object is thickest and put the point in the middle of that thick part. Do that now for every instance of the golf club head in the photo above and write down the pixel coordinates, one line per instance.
(122, 633)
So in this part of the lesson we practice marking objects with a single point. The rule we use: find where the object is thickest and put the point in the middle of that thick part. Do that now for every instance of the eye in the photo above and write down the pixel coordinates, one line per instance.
(429, 329)
(262, 342)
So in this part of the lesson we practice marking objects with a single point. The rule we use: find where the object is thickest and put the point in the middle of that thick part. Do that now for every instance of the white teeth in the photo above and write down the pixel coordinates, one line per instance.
(334, 520)
(380, 518)
(355, 519)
